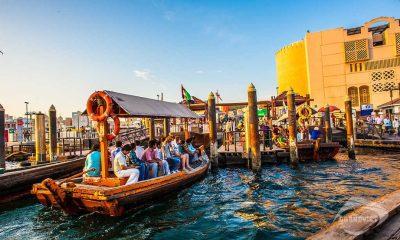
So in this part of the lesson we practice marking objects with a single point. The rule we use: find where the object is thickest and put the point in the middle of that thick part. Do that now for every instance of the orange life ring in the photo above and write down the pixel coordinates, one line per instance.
(89, 106)
(117, 125)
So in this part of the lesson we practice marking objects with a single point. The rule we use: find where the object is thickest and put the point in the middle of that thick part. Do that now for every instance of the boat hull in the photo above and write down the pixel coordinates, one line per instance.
(113, 201)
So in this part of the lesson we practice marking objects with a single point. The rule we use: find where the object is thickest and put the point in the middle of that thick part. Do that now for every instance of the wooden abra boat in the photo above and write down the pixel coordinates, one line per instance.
(108, 194)
(77, 196)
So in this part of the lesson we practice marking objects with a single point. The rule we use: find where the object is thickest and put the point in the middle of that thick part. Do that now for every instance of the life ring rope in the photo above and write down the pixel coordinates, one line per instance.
(117, 126)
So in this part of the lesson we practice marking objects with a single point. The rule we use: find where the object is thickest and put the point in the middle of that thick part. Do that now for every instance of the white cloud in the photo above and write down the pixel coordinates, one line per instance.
(143, 74)
(199, 71)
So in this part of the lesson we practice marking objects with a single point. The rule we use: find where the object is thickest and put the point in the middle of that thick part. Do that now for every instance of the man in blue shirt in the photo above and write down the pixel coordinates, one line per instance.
(93, 160)
(143, 170)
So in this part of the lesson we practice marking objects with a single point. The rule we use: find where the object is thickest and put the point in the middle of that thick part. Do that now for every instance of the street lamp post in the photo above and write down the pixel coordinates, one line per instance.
(79, 128)
(26, 113)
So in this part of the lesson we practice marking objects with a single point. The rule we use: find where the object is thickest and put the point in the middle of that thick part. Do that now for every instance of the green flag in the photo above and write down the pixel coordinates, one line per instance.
(185, 94)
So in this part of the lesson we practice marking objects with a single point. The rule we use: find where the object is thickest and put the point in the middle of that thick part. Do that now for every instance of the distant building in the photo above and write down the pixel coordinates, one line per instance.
(78, 120)
(362, 62)
(68, 122)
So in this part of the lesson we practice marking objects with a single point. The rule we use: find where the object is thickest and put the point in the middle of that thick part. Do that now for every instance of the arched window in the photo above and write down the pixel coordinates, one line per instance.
(353, 94)
(364, 94)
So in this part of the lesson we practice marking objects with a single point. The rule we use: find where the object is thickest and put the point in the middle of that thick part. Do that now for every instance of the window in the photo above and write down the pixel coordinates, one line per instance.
(356, 50)
(353, 94)
(364, 94)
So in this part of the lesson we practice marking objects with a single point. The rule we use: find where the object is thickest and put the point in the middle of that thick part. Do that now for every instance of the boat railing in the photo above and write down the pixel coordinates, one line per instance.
(28, 148)
(72, 145)
(133, 135)
(234, 141)
(194, 127)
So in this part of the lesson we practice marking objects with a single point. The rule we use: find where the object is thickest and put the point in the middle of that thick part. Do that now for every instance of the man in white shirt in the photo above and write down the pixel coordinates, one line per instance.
(121, 169)
(139, 149)
(118, 145)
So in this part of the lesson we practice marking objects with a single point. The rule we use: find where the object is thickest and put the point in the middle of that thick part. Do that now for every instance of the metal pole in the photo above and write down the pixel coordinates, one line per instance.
(349, 128)
(292, 127)
(253, 128)
(26, 113)
(40, 138)
(52, 133)
(2, 140)
(328, 129)
(212, 126)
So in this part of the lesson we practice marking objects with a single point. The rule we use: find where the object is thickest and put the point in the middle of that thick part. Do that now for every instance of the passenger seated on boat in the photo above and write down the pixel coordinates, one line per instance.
(174, 142)
(184, 156)
(93, 160)
(139, 149)
(193, 153)
(118, 145)
(203, 154)
(120, 166)
(151, 159)
(169, 154)
(165, 165)
(134, 160)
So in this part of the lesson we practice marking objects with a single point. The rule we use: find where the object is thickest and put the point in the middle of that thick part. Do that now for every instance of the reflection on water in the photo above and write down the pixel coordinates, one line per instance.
(278, 203)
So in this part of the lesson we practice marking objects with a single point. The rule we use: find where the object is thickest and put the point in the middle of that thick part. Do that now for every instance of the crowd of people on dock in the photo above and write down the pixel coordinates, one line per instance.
(390, 126)
(167, 156)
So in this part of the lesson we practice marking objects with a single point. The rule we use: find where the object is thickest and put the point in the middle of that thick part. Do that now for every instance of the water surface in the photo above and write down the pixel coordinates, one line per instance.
(230, 203)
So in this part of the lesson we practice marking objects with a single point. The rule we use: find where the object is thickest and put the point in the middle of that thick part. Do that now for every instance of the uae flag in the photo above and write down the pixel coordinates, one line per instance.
(186, 95)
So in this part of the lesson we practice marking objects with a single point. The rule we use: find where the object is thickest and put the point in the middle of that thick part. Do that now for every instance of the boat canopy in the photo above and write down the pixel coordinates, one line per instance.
(134, 106)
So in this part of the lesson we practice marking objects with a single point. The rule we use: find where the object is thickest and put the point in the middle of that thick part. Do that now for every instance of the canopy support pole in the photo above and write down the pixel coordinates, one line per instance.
(103, 127)
(151, 129)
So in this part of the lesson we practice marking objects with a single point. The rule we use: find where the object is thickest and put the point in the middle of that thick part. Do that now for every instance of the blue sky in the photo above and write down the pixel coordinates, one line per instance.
(59, 52)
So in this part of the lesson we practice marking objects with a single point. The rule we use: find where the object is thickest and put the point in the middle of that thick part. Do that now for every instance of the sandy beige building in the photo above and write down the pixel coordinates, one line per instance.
(363, 62)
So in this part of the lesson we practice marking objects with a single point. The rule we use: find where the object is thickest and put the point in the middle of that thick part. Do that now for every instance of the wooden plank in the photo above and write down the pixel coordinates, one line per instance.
(361, 222)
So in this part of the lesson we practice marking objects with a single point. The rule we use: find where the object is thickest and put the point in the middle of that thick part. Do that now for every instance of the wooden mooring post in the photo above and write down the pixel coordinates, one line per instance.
(349, 128)
(52, 133)
(212, 125)
(327, 127)
(254, 154)
(40, 138)
(2, 140)
(292, 127)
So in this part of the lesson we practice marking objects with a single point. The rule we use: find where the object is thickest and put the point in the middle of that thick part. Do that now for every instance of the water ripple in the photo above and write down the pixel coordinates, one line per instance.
(278, 203)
